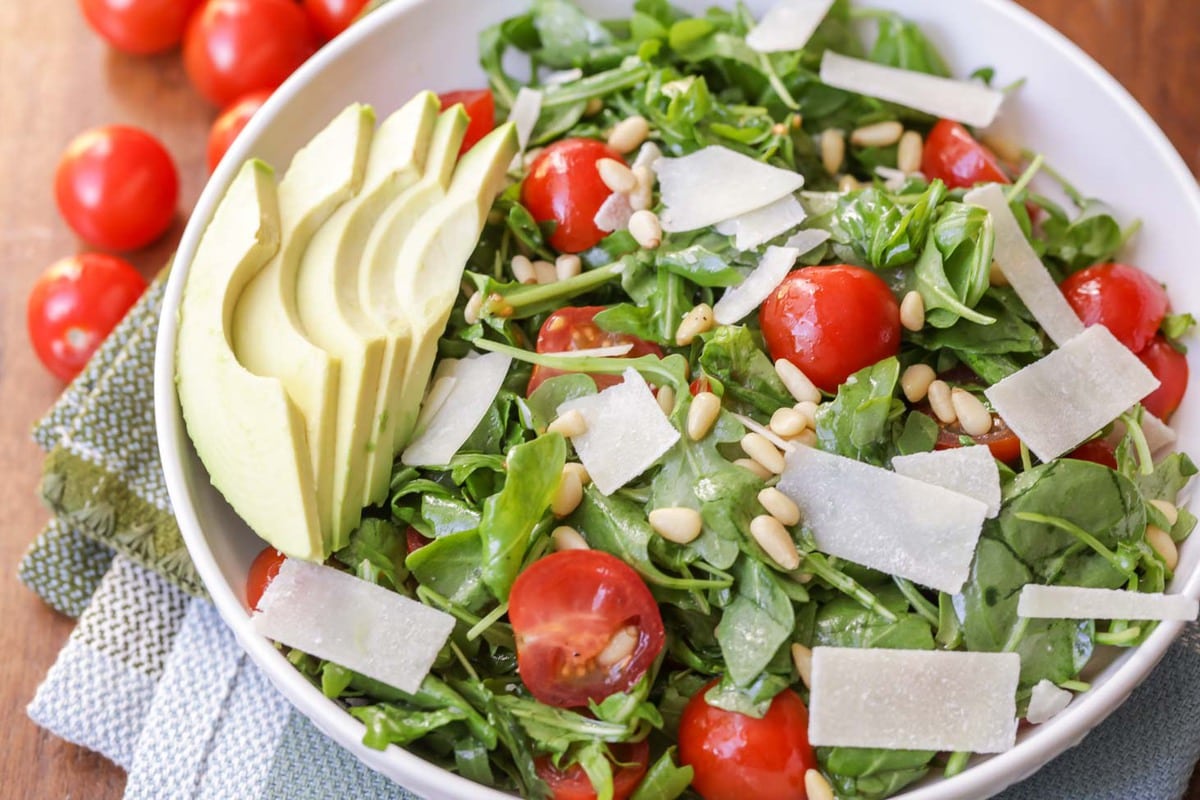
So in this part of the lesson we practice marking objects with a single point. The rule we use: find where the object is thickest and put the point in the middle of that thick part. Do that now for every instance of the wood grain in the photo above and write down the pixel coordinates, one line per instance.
(57, 79)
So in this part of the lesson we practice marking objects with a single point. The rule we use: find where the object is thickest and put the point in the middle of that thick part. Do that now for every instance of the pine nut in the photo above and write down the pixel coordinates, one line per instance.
(1168, 510)
(666, 399)
(779, 506)
(567, 266)
(750, 465)
(570, 424)
(545, 272)
(697, 321)
(642, 197)
(761, 450)
(569, 494)
(628, 134)
(580, 471)
(616, 175)
(912, 311)
(474, 308)
(594, 106)
(848, 183)
(645, 229)
(816, 787)
(567, 538)
(973, 416)
(807, 438)
(833, 150)
(909, 152)
(702, 415)
(1164, 545)
(1005, 148)
(802, 661)
(788, 422)
(996, 276)
(773, 538)
(879, 134)
(938, 394)
(807, 409)
(796, 382)
(915, 381)
(678, 525)
(619, 648)
(522, 270)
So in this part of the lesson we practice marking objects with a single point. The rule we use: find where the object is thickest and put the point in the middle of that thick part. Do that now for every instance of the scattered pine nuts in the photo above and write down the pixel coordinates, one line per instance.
(802, 661)
(545, 272)
(973, 416)
(522, 270)
(909, 152)
(666, 399)
(1005, 148)
(580, 470)
(642, 197)
(1164, 545)
(807, 438)
(816, 787)
(915, 381)
(567, 538)
(796, 382)
(678, 525)
(750, 465)
(702, 415)
(474, 308)
(619, 648)
(808, 409)
(1168, 510)
(594, 106)
(779, 506)
(567, 266)
(879, 134)
(938, 394)
(788, 422)
(833, 150)
(912, 311)
(773, 538)
(848, 183)
(616, 175)
(628, 134)
(759, 448)
(645, 229)
(569, 494)
(570, 424)
(697, 321)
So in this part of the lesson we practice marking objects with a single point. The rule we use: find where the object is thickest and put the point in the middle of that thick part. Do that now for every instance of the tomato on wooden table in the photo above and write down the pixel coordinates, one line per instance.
(586, 626)
(953, 155)
(631, 762)
(480, 107)
(262, 571)
(230, 123)
(1171, 368)
(117, 187)
(831, 322)
(1122, 298)
(564, 187)
(574, 328)
(737, 757)
(139, 27)
(331, 17)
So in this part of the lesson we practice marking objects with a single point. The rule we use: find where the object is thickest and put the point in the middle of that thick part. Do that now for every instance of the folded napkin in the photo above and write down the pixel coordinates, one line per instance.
(152, 679)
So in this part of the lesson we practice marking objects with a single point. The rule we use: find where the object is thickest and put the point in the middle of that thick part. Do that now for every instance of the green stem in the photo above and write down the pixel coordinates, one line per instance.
(819, 566)
(917, 600)
(1026, 461)
(1119, 563)
(1075, 686)
(1121, 638)
(598, 85)
(1022, 182)
(487, 621)
(1145, 458)
(1078, 199)
(956, 763)
(523, 301)
(671, 370)
(494, 634)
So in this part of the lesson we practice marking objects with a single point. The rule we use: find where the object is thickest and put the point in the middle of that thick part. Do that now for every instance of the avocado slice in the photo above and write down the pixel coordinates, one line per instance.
(246, 430)
(328, 301)
(268, 337)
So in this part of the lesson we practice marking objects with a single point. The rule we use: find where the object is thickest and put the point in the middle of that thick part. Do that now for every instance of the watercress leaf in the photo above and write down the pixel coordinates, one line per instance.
(1167, 480)
(445, 515)
(756, 624)
(376, 552)
(952, 271)
(452, 566)
(858, 422)
(733, 355)
(553, 392)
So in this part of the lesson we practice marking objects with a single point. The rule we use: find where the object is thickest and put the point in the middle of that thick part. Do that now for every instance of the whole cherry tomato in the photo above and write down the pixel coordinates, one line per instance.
(331, 17)
(573, 783)
(139, 27)
(1171, 368)
(264, 569)
(586, 626)
(75, 304)
(231, 122)
(235, 47)
(1097, 451)
(831, 322)
(481, 110)
(1122, 298)
(737, 757)
(954, 156)
(573, 328)
(117, 187)
(564, 187)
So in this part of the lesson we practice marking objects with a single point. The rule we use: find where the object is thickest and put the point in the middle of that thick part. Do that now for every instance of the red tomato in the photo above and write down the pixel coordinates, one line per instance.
(1097, 451)
(1171, 368)
(572, 328)
(574, 784)
(117, 187)
(699, 385)
(736, 757)
(264, 569)
(1003, 443)
(140, 27)
(331, 17)
(563, 186)
(231, 122)
(570, 611)
(953, 155)
(1123, 299)
(414, 540)
(75, 304)
(831, 322)
(481, 110)
(235, 47)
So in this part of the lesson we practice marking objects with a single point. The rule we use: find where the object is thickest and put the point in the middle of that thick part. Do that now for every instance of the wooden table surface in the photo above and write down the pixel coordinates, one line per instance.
(57, 79)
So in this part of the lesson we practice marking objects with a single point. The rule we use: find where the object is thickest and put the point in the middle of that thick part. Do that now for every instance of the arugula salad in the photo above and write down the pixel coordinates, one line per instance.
(709, 261)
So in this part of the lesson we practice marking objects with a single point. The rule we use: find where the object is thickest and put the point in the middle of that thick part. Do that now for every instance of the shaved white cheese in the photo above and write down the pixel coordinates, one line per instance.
(1062, 399)
(971, 103)
(765, 432)
(913, 699)
(967, 470)
(1159, 435)
(477, 379)
(646, 157)
(741, 300)
(526, 108)
(1024, 270)
(1046, 701)
(612, 351)
(1079, 602)
(716, 184)
(885, 521)
(808, 240)
(562, 76)
(614, 213)
(893, 179)
(757, 227)
(439, 391)
(788, 25)
(336, 616)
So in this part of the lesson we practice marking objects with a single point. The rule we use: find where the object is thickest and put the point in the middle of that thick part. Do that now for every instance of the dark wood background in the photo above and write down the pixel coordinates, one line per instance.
(57, 79)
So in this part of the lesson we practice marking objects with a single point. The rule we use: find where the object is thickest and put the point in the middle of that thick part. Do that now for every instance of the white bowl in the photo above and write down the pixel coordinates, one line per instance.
(1070, 109)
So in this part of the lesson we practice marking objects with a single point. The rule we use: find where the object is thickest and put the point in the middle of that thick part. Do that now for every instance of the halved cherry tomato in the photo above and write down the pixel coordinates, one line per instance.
(586, 626)
(831, 322)
(573, 328)
(1097, 451)
(331, 17)
(75, 304)
(574, 784)
(1171, 368)
(232, 121)
(699, 385)
(264, 569)
(117, 187)
(414, 540)
(139, 27)
(1122, 298)
(736, 757)
(563, 186)
(1003, 443)
(954, 156)
(481, 109)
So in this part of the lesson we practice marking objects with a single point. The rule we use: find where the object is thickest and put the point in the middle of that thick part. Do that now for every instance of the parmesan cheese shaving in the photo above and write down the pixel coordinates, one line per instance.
(525, 111)
(741, 300)
(1078, 602)
(440, 387)
(1046, 701)
(715, 184)
(614, 213)
(967, 470)
(757, 227)
(808, 240)
(477, 379)
(788, 25)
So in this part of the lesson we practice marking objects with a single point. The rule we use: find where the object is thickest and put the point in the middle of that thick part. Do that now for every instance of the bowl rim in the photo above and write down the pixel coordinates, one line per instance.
(981, 779)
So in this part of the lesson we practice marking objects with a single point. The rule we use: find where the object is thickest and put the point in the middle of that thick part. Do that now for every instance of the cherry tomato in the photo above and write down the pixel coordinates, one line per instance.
(414, 540)
(563, 186)
(831, 322)
(572, 328)
(699, 385)
(1003, 443)
(1122, 298)
(231, 122)
(117, 187)
(574, 784)
(736, 757)
(139, 27)
(331, 17)
(75, 304)
(953, 155)
(1097, 451)
(235, 47)
(1171, 368)
(264, 569)
(586, 626)
(481, 109)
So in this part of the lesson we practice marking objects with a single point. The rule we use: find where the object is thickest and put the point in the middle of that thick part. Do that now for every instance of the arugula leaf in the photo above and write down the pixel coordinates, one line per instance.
(900, 43)
(452, 566)
(553, 392)
(733, 356)
(567, 35)
(873, 773)
(390, 724)
(859, 422)
(756, 624)
(952, 271)
(1010, 333)
(843, 622)
(665, 780)
(375, 553)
